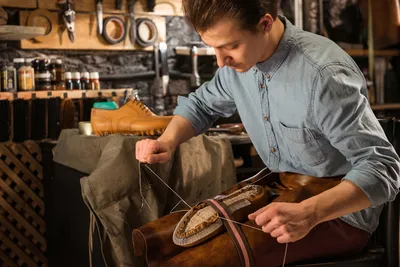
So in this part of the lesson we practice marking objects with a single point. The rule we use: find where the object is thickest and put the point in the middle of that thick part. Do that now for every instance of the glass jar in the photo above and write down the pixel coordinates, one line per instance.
(68, 80)
(26, 77)
(76, 81)
(18, 63)
(60, 72)
(85, 81)
(94, 81)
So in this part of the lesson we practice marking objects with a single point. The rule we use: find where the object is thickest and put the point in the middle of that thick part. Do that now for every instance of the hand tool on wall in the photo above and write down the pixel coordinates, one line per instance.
(150, 5)
(99, 15)
(68, 16)
(118, 4)
(132, 29)
(164, 67)
(195, 78)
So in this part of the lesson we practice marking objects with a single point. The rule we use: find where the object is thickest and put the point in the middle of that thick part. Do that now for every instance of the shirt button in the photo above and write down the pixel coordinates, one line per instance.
(266, 118)
(273, 150)
(268, 76)
(261, 86)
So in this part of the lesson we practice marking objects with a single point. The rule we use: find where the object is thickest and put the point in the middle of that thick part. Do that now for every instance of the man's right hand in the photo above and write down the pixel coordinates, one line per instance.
(153, 151)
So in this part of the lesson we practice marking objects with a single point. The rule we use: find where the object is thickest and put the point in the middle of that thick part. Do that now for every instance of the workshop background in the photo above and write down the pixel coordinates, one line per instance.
(73, 57)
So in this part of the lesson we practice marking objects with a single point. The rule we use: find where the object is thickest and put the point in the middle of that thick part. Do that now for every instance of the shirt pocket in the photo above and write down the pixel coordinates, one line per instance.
(302, 145)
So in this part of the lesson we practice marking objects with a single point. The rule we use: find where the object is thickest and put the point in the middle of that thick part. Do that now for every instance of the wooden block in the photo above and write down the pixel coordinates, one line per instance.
(163, 7)
(19, 3)
(86, 37)
(11, 32)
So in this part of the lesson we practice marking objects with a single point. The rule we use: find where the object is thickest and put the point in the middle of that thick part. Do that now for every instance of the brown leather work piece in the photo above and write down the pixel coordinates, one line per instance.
(154, 241)
(132, 118)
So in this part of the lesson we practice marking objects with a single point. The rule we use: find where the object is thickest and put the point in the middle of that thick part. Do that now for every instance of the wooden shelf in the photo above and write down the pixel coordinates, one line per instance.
(377, 107)
(73, 94)
(16, 33)
(379, 53)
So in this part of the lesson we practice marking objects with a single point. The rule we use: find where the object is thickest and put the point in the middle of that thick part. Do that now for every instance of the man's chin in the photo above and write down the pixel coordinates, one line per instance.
(240, 68)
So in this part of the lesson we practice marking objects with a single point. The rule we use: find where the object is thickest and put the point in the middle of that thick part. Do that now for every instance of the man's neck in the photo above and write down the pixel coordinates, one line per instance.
(273, 39)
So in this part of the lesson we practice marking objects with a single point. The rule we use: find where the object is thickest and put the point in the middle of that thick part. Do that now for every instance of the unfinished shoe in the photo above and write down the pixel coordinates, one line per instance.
(202, 221)
(132, 118)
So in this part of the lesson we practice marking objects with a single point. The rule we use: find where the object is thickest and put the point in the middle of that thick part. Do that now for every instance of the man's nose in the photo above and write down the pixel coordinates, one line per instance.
(222, 59)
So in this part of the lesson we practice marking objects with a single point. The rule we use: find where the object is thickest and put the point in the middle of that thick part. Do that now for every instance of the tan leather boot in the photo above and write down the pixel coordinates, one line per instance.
(132, 118)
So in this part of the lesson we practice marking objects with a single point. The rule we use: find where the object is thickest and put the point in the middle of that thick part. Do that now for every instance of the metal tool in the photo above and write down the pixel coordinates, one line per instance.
(68, 17)
(164, 67)
(132, 20)
(195, 78)
(118, 4)
(150, 5)
(157, 65)
(99, 13)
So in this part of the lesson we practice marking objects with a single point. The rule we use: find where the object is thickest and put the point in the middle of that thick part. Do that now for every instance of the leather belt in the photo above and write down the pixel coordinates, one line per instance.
(121, 25)
(140, 40)
(239, 239)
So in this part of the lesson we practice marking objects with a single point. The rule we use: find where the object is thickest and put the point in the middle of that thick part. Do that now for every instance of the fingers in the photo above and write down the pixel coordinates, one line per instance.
(151, 151)
(253, 215)
(158, 158)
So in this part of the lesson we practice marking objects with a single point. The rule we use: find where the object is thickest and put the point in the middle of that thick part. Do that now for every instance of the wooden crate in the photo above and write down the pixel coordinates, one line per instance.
(22, 226)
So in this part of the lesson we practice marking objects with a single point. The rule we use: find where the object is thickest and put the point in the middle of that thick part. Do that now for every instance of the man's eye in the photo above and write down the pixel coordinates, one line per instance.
(234, 46)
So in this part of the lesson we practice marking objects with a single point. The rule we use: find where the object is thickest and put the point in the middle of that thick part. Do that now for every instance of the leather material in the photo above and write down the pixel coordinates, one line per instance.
(132, 118)
(154, 240)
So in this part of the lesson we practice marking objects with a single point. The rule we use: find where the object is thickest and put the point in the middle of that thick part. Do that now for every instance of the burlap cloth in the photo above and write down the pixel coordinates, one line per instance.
(201, 168)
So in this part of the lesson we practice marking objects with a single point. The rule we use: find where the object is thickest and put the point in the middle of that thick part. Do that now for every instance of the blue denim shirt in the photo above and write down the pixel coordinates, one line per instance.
(306, 111)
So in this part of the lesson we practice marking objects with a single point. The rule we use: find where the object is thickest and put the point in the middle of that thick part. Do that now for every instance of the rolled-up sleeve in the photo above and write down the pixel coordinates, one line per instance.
(209, 102)
(343, 114)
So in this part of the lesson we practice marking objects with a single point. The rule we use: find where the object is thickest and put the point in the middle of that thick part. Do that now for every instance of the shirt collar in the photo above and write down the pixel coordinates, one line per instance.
(271, 65)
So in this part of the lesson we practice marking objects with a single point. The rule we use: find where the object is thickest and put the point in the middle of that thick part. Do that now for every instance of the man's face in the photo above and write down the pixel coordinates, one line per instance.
(234, 47)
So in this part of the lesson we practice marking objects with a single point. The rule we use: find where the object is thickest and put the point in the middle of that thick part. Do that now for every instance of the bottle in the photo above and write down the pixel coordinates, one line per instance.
(52, 69)
(43, 77)
(26, 76)
(85, 81)
(10, 79)
(18, 63)
(68, 80)
(76, 81)
(60, 72)
(94, 81)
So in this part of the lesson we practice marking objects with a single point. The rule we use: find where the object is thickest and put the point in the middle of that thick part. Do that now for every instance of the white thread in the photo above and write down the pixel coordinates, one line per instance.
(167, 186)
(140, 188)
(284, 257)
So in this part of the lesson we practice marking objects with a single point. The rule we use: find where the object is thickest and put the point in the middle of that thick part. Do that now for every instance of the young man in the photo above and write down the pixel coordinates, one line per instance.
(303, 102)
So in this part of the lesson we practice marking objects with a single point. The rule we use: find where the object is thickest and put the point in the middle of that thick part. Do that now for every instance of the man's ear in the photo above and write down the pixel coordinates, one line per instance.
(265, 24)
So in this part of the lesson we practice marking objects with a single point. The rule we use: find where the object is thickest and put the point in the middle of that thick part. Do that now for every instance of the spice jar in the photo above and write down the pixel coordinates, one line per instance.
(26, 77)
(9, 82)
(76, 81)
(18, 63)
(43, 77)
(85, 81)
(68, 80)
(60, 71)
(94, 81)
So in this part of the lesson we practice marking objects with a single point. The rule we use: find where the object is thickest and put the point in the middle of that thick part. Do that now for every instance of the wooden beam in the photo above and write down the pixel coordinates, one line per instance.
(86, 36)
(19, 3)
(163, 7)
(16, 33)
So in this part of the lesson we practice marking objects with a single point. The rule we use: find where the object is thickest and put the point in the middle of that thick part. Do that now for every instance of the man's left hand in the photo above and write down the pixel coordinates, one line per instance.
(287, 222)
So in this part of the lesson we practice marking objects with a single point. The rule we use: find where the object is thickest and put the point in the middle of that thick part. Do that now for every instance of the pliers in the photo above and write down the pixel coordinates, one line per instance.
(69, 19)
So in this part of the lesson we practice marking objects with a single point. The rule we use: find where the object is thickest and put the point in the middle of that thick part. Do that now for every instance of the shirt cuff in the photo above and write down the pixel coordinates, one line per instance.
(374, 183)
(187, 109)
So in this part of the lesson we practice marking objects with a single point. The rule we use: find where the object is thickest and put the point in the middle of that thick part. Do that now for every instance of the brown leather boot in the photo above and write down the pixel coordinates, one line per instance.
(132, 118)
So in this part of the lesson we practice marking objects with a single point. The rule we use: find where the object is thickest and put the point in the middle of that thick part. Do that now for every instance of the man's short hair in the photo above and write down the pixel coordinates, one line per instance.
(203, 14)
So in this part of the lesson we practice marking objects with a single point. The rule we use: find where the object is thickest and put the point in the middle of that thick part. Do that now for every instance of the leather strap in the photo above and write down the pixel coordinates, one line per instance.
(153, 28)
(120, 23)
(239, 239)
